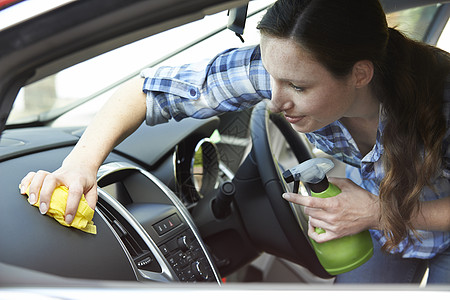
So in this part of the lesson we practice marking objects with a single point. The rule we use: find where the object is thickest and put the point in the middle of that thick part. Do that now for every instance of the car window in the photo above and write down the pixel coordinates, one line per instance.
(97, 78)
(413, 22)
(444, 39)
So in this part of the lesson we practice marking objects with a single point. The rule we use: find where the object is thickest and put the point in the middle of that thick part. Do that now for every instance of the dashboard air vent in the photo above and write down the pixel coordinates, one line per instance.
(138, 250)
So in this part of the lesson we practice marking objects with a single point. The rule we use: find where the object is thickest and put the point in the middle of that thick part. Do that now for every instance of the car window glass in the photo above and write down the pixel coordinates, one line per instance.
(444, 39)
(413, 22)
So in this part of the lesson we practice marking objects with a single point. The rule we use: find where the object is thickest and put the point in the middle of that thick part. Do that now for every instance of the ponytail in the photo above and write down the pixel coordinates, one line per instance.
(410, 85)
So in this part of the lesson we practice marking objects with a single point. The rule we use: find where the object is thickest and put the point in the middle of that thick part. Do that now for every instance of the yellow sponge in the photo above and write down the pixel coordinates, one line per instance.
(83, 217)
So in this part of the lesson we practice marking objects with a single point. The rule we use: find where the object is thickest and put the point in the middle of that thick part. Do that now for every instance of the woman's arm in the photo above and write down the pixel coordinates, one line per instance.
(433, 215)
(192, 90)
(233, 80)
(120, 116)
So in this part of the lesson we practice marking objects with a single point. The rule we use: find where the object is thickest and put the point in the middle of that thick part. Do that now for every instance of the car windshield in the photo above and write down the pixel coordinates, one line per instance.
(72, 96)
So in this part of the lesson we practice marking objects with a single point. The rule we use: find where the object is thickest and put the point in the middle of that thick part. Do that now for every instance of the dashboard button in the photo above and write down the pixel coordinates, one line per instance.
(183, 243)
(199, 271)
(167, 224)
(165, 251)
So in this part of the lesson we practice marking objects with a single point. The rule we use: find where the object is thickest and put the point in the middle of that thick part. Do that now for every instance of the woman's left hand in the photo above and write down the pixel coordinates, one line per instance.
(350, 212)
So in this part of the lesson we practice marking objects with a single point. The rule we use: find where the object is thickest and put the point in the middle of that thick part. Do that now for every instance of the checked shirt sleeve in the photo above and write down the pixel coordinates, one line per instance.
(234, 80)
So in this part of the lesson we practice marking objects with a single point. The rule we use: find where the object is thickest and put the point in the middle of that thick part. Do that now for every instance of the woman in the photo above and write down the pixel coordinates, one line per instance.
(389, 98)
(361, 91)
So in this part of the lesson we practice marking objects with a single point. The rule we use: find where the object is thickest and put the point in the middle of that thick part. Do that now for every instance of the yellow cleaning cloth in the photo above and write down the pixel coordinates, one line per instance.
(83, 217)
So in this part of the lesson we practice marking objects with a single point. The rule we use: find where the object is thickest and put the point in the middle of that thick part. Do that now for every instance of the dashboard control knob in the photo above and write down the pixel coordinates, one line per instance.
(183, 243)
(199, 271)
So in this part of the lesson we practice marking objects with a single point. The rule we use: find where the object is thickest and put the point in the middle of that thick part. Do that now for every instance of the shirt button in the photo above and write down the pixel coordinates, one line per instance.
(192, 92)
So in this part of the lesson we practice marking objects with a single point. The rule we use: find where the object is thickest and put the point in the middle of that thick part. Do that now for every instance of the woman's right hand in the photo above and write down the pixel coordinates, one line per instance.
(121, 116)
(77, 179)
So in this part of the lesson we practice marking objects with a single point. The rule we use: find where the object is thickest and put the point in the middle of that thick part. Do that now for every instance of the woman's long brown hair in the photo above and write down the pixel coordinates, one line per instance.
(409, 79)
(411, 88)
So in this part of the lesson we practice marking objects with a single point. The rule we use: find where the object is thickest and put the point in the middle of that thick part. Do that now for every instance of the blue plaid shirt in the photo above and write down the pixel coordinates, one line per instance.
(236, 80)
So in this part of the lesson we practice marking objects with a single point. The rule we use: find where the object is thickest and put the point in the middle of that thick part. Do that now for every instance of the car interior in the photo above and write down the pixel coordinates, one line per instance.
(189, 201)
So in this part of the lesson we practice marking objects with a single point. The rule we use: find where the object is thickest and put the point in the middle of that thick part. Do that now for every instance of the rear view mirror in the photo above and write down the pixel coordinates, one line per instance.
(236, 20)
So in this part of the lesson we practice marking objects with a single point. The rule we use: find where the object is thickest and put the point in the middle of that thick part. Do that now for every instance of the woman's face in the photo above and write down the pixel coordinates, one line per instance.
(307, 94)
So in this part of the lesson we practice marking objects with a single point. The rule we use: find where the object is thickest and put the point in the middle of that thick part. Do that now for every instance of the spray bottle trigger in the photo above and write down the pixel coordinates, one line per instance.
(319, 230)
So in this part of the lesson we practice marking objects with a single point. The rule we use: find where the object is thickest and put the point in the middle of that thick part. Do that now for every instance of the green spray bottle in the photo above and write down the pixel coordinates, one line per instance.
(339, 255)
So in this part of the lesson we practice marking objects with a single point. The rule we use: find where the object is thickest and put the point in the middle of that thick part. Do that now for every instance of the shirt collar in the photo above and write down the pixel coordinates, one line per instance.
(336, 140)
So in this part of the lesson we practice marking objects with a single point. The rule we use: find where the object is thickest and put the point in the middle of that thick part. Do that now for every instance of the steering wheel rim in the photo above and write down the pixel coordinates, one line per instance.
(275, 186)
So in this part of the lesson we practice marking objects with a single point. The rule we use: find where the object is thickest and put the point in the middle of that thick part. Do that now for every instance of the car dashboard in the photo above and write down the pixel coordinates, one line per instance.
(145, 231)
(153, 225)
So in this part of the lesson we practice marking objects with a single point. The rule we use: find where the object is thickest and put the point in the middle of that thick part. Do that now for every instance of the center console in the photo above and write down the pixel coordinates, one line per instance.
(153, 226)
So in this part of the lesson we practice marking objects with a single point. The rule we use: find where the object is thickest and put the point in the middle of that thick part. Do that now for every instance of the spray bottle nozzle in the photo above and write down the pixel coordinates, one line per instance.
(288, 176)
(312, 171)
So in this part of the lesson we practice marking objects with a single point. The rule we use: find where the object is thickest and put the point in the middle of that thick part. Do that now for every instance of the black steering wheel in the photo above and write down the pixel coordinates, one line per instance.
(287, 216)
